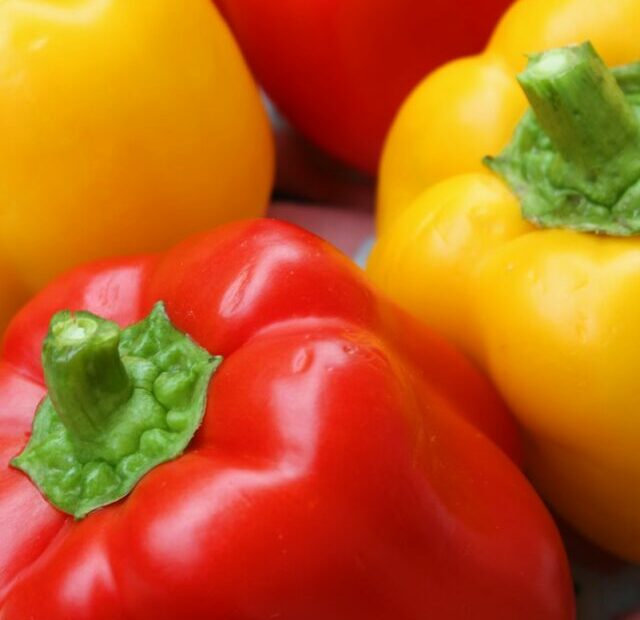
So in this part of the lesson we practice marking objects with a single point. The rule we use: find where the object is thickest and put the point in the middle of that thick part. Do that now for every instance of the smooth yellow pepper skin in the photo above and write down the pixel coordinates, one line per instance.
(125, 125)
(469, 108)
(552, 316)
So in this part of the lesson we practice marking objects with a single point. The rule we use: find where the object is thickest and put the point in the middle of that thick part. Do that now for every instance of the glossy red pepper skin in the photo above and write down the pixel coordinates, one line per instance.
(339, 472)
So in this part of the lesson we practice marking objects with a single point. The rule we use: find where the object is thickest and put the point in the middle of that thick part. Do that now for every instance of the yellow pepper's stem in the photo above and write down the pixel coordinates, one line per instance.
(574, 160)
(585, 113)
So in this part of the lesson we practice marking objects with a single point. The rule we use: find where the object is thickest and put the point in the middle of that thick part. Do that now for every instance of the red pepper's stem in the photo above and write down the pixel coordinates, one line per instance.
(120, 403)
(85, 376)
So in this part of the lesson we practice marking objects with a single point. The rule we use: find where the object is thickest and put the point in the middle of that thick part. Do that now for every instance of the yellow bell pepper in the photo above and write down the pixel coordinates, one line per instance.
(124, 125)
(549, 310)
(469, 108)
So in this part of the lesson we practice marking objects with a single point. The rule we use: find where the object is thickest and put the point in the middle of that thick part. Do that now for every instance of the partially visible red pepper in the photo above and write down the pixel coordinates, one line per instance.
(338, 473)
(340, 69)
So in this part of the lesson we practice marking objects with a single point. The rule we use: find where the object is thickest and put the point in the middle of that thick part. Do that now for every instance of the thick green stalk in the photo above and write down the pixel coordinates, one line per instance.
(575, 158)
(84, 373)
(584, 112)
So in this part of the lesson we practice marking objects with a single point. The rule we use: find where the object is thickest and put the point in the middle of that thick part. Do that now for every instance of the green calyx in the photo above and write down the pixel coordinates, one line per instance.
(574, 161)
(120, 403)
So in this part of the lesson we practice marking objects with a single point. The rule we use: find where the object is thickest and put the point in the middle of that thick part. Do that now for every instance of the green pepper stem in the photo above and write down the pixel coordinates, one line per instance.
(585, 113)
(86, 378)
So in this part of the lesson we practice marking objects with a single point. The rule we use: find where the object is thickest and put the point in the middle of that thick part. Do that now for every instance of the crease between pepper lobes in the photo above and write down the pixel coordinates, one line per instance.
(548, 312)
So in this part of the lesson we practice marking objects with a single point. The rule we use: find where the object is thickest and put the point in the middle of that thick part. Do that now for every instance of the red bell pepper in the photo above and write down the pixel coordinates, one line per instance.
(349, 465)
